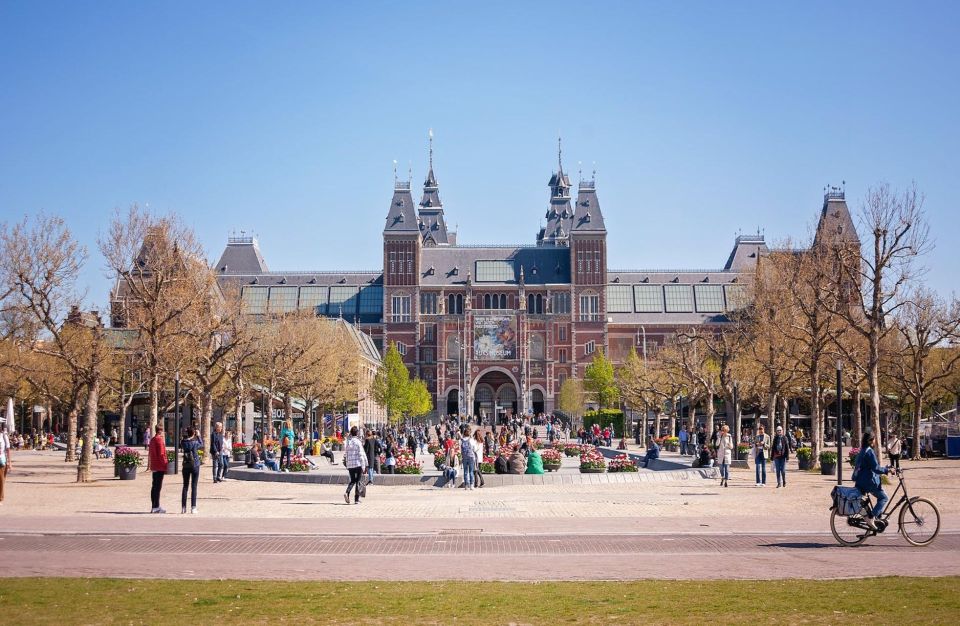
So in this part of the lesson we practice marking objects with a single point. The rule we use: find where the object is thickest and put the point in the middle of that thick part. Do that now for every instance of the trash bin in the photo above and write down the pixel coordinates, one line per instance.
(953, 446)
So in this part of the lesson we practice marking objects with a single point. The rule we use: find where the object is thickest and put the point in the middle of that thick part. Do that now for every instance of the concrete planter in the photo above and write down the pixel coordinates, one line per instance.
(593, 470)
(552, 467)
(828, 469)
(127, 473)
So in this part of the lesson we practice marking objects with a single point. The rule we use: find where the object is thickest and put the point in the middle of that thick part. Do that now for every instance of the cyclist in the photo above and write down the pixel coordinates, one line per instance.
(867, 473)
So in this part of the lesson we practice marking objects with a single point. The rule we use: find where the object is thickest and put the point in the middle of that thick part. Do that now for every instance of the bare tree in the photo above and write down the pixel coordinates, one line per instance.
(925, 323)
(874, 275)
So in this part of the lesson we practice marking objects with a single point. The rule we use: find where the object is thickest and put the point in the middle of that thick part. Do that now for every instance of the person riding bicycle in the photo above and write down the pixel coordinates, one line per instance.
(867, 477)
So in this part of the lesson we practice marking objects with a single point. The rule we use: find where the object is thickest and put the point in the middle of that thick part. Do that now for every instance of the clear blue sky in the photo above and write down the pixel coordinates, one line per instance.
(284, 118)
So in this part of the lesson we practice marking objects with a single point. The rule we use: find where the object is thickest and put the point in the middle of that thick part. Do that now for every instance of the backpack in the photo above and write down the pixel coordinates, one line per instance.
(466, 450)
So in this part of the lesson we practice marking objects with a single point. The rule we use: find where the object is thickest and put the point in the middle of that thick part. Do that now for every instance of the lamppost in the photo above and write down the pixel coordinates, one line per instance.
(736, 412)
(643, 331)
(176, 423)
(839, 430)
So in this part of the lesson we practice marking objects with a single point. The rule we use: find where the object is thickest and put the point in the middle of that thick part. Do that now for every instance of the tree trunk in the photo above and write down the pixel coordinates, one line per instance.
(89, 432)
(917, 415)
(711, 411)
(155, 403)
(206, 419)
(287, 408)
(771, 412)
(72, 431)
(816, 415)
(241, 419)
(857, 418)
(873, 377)
(785, 412)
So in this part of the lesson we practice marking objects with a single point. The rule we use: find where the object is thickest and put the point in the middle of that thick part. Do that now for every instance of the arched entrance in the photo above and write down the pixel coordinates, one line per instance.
(453, 402)
(495, 396)
(537, 401)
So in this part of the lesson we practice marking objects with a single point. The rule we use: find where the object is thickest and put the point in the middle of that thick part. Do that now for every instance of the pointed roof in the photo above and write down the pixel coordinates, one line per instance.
(241, 256)
(401, 217)
(587, 217)
(836, 224)
(433, 226)
(747, 250)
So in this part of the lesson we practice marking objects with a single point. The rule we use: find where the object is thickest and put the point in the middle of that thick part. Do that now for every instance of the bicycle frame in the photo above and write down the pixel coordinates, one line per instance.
(888, 510)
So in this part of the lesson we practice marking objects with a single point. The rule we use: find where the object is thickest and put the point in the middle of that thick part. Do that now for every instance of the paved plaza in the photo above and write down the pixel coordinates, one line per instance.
(652, 529)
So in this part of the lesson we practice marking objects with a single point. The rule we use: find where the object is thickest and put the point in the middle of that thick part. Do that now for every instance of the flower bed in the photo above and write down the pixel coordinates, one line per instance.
(240, 447)
(408, 464)
(571, 449)
(433, 448)
(743, 451)
(551, 456)
(592, 460)
(299, 463)
(622, 463)
(125, 456)
(487, 465)
(440, 457)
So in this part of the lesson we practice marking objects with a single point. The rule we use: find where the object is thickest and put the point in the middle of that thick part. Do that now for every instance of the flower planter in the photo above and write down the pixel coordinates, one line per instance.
(593, 470)
(239, 455)
(743, 456)
(127, 473)
(804, 464)
(828, 469)
(552, 467)
(171, 468)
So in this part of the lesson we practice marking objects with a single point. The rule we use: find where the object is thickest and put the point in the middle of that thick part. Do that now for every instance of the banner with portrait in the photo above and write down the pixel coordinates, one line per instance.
(494, 337)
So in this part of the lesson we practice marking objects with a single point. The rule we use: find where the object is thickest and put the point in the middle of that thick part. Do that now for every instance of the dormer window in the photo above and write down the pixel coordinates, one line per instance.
(586, 218)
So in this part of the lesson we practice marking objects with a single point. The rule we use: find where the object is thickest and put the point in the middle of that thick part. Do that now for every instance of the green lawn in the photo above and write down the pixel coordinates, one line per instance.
(106, 601)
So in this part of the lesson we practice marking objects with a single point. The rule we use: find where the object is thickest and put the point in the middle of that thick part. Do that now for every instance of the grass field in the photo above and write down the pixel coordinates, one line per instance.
(108, 601)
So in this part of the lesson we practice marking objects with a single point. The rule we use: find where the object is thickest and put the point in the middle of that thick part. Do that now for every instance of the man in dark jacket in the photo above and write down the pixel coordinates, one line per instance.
(500, 466)
(780, 452)
(372, 449)
(216, 452)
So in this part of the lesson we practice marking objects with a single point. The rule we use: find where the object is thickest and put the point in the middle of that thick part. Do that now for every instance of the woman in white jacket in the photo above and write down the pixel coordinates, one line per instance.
(477, 443)
(725, 455)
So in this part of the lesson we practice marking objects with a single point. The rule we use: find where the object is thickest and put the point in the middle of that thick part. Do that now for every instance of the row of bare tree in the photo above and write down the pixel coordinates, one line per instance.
(860, 305)
(173, 321)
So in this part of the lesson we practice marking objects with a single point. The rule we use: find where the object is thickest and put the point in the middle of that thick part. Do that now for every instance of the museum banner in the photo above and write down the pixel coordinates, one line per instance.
(494, 337)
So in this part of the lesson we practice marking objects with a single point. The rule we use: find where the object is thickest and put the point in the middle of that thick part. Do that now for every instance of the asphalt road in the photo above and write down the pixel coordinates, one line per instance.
(470, 554)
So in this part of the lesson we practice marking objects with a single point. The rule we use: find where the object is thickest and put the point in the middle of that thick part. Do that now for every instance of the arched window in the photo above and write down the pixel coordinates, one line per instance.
(459, 304)
(486, 302)
(539, 303)
(452, 304)
(503, 300)
(530, 302)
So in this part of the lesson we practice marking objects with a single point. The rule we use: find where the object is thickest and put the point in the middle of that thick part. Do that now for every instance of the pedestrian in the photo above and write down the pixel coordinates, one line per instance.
(355, 460)
(478, 450)
(894, 447)
(371, 448)
(191, 445)
(157, 462)
(468, 457)
(761, 444)
(391, 455)
(287, 439)
(725, 455)
(780, 452)
(4, 458)
(684, 439)
(216, 451)
(225, 455)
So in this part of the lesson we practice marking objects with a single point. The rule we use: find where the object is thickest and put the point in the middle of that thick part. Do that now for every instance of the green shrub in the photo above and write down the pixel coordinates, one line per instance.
(606, 417)
(805, 453)
(828, 458)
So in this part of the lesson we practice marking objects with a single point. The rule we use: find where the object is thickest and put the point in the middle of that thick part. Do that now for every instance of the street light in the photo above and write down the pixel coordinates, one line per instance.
(839, 430)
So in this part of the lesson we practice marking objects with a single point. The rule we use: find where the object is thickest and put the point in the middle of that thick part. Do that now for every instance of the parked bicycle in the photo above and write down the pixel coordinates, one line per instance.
(919, 519)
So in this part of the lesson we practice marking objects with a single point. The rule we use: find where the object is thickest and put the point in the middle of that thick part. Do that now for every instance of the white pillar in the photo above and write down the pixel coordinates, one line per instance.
(11, 418)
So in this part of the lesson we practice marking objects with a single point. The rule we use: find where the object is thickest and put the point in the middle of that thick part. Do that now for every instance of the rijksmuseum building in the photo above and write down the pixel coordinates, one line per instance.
(495, 329)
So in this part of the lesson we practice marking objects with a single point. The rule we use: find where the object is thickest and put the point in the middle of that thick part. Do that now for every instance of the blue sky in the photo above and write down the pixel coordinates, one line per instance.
(704, 119)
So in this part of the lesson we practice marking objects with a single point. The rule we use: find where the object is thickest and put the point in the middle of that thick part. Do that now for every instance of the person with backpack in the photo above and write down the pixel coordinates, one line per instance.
(191, 445)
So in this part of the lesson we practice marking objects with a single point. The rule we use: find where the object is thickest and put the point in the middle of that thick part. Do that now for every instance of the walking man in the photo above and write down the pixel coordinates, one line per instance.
(780, 452)
(684, 438)
(216, 452)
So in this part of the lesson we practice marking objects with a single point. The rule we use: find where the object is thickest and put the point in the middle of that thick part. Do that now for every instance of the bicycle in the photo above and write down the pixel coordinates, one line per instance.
(919, 519)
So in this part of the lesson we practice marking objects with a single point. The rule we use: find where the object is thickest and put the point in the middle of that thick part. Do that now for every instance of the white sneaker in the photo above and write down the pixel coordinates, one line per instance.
(161, 511)
(193, 511)
(871, 523)
(183, 511)
(759, 485)
(155, 510)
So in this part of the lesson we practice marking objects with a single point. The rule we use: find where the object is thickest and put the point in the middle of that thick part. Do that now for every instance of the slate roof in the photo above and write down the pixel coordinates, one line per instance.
(241, 256)
(302, 279)
(836, 224)
(433, 226)
(541, 265)
(747, 249)
(402, 216)
(559, 215)
(587, 216)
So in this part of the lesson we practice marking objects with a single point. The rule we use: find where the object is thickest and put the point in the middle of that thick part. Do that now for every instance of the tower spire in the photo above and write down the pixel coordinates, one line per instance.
(560, 151)
(431, 148)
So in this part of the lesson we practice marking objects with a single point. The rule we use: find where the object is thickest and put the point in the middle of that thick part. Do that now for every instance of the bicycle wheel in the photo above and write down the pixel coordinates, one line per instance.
(919, 521)
(846, 529)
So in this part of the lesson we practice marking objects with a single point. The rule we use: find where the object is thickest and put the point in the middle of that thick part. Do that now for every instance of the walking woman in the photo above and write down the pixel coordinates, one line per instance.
(191, 445)
(356, 461)
(286, 444)
(894, 447)
(478, 451)
(157, 462)
(725, 455)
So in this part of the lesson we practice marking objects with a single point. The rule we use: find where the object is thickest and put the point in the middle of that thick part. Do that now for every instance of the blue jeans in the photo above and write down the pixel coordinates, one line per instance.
(468, 468)
(218, 467)
(725, 471)
(226, 466)
(780, 465)
(761, 464)
(370, 473)
(882, 499)
(683, 448)
(272, 464)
